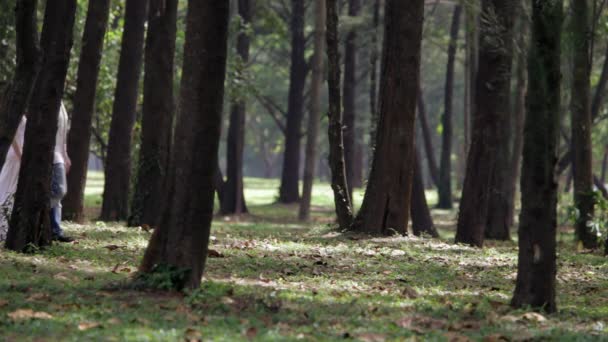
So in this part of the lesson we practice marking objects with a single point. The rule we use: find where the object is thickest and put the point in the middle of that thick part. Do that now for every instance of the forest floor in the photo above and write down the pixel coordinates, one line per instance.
(271, 278)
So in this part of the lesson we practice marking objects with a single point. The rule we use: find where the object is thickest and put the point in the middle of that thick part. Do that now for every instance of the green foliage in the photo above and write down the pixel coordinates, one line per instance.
(162, 277)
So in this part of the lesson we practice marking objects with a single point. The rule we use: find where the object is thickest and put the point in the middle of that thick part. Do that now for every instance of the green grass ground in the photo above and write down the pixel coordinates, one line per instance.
(276, 279)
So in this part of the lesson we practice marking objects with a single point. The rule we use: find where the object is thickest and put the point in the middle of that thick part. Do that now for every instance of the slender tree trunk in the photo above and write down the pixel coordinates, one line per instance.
(445, 166)
(158, 112)
(115, 205)
(373, 78)
(600, 90)
(181, 241)
(79, 137)
(492, 95)
(422, 222)
(581, 124)
(289, 192)
(387, 198)
(427, 138)
(234, 198)
(604, 165)
(28, 66)
(310, 164)
(339, 184)
(472, 35)
(30, 221)
(536, 269)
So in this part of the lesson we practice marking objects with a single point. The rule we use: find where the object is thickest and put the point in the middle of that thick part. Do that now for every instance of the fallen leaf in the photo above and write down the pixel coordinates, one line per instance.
(251, 332)
(212, 253)
(409, 292)
(25, 314)
(495, 338)
(371, 337)
(534, 317)
(114, 321)
(455, 337)
(38, 297)
(112, 247)
(3, 302)
(192, 335)
(88, 325)
(62, 277)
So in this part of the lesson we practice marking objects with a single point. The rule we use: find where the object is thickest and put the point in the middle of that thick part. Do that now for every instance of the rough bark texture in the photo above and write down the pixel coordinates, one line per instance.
(234, 198)
(373, 75)
(427, 138)
(339, 184)
(79, 137)
(28, 65)
(445, 166)
(115, 205)
(581, 124)
(422, 222)
(491, 114)
(289, 192)
(316, 84)
(385, 208)
(158, 113)
(536, 269)
(29, 223)
(180, 242)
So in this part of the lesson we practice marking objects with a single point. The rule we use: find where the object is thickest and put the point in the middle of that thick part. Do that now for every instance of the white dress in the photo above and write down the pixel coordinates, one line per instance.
(8, 180)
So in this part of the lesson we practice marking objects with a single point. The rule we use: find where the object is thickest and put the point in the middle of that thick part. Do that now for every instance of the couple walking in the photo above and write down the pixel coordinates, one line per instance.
(10, 176)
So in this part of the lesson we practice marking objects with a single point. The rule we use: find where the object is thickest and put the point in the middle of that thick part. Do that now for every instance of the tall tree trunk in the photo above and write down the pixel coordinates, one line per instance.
(472, 45)
(445, 166)
(387, 198)
(234, 198)
(493, 89)
(339, 184)
(349, 97)
(536, 269)
(310, 164)
(289, 192)
(600, 90)
(604, 165)
(79, 137)
(158, 112)
(115, 205)
(581, 124)
(28, 66)
(422, 222)
(180, 242)
(30, 221)
(373, 75)
(427, 138)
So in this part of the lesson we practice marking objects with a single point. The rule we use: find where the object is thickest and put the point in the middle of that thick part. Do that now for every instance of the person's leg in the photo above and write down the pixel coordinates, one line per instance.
(58, 190)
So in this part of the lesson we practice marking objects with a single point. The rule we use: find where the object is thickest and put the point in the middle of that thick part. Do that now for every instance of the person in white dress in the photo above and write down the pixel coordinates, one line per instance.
(9, 177)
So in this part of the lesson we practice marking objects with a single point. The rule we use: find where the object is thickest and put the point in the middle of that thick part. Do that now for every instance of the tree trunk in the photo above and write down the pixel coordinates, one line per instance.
(604, 165)
(445, 166)
(339, 184)
(581, 125)
(472, 34)
(427, 138)
(600, 90)
(28, 66)
(79, 137)
(233, 201)
(30, 220)
(373, 75)
(289, 192)
(310, 164)
(387, 198)
(180, 242)
(536, 267)
(158, 112)
(117, 185)
(493, 90)
(422, 222)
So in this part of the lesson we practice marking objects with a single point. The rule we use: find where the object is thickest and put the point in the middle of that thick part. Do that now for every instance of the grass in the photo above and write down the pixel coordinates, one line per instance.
(278, 279)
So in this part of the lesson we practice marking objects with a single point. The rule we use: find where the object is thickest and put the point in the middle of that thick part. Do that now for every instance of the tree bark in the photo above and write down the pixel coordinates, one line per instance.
(422, 222)
(289, 191)
(79, 137)
(115, 205)
(233, 201)
(387, 198)
(158, 113)
(373, 75)
(181, 241)
(28, 67)
(310, 164)
(536, 269)
(600, 90)
(427, 138)
(339, 185)
(581, 124)
(493, 89)
(445, 166)
(30, 220)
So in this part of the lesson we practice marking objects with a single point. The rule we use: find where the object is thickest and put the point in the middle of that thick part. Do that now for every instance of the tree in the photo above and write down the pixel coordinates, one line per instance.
(233, 198)
(422, 222)
(536, 267)
(427, 138)
(115, 205)
(28, 66)
(180, 242)
(314, 117)
(289, 192)
(445, 165)
(30, 220)
(491, 113)
(335, 132)
(158, 112)
(373, 74)
(387, 197)
(79, 137)
(581, 124)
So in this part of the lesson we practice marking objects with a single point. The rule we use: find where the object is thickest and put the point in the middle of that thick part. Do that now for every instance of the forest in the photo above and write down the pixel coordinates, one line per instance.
(317, 170)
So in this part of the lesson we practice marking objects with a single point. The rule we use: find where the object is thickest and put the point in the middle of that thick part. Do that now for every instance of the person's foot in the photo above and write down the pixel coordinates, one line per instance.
(63, 238)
